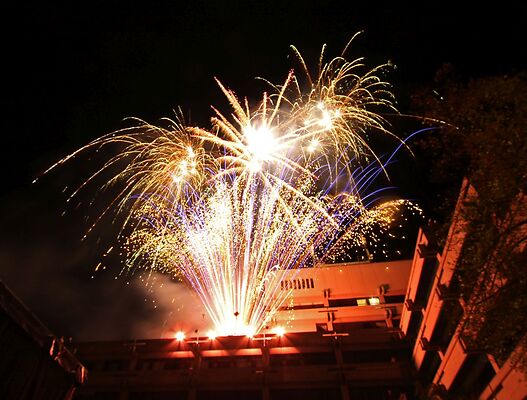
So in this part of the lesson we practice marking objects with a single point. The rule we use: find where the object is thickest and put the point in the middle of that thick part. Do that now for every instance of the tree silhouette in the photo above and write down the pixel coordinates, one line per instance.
(483, 137)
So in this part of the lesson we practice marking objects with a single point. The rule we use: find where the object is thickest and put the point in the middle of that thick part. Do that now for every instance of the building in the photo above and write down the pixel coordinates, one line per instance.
(34, 364)
(431, 320)
(341, 341)
(388, 330)
(371, 331)
(342, 297)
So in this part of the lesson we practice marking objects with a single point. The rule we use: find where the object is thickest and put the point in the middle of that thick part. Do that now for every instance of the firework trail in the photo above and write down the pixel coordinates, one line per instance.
(274, 187)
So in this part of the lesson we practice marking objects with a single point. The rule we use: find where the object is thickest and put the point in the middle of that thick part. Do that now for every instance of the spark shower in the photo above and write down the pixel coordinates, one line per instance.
(269, 187)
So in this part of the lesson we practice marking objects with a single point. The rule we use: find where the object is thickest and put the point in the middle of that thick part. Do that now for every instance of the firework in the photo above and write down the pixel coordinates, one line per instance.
(277, 186)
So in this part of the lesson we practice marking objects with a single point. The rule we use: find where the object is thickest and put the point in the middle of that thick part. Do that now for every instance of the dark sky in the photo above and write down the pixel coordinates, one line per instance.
(71, 75)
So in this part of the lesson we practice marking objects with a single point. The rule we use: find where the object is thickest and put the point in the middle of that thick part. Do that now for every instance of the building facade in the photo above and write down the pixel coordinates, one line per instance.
(446, 366)
(387, 330)
(340, 340)
(34, 364)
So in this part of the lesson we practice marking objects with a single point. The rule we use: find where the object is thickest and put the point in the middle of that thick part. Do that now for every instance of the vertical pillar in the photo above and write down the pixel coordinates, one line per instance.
(191, 395)
(344, 392)
(266, 395)
(265, 392)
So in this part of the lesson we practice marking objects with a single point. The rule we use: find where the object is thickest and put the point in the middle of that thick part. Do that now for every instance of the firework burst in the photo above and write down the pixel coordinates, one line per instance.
(272, 187)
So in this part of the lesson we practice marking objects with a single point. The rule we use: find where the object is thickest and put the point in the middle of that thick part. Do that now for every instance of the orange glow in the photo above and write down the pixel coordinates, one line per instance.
(279, 331)
(211, 334)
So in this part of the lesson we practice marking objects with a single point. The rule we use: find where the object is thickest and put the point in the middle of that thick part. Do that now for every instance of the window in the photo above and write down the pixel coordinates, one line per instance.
(115, 365)
(342, 302)
(374, 301)
(297, 284)
(394, 299)
(178, 363)
(145, 364)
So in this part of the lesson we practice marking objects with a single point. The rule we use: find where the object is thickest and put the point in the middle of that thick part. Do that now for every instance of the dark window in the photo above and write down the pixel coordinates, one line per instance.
(377, 393)
(279, 360)
(446, 324)
(145, 364)
(394, 299)
(415, 323)
(374, 356)
(114, 365)
(157, 396)
(219, 362)
(247, 361)
(354, 326)
(306, 394)
(425, 281)
(342, 302)
(475, 373)
(98, 396)
(229, 395)
(326, 358)
(178, 363)
(430, 364)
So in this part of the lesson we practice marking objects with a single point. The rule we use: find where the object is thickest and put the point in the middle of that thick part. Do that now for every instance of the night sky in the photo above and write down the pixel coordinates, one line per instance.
(71, 75)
